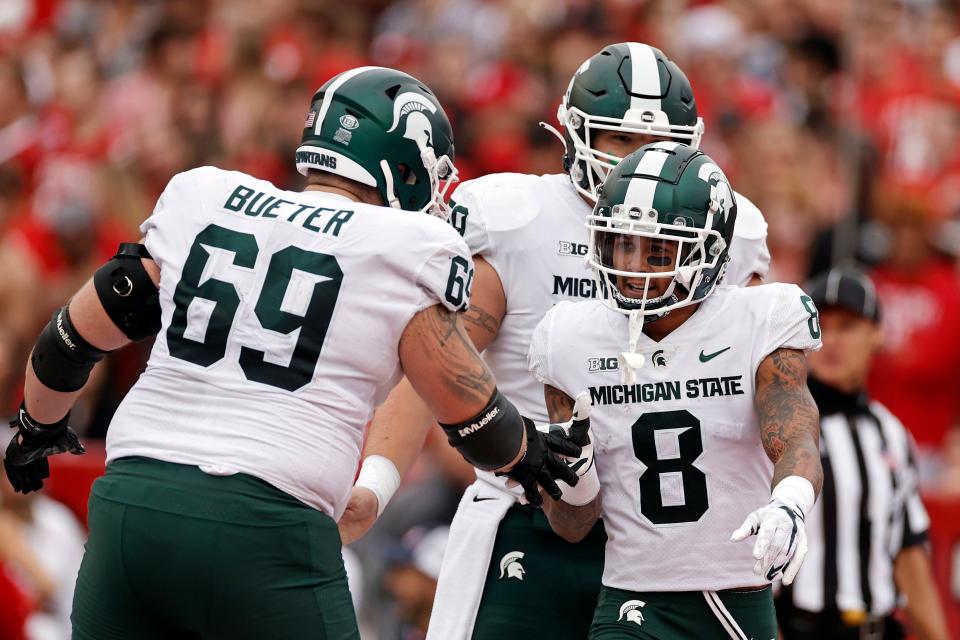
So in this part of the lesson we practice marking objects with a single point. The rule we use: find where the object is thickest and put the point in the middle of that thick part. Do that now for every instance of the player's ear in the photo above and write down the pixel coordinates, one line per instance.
(876, 337)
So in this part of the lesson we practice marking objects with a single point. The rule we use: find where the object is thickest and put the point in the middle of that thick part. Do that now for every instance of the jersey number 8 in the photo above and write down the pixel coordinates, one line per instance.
(669, 443)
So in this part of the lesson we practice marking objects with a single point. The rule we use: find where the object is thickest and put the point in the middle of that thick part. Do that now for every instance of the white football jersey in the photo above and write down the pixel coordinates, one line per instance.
(531, 229)
(282, 312)
(749, 254)
(678, 453)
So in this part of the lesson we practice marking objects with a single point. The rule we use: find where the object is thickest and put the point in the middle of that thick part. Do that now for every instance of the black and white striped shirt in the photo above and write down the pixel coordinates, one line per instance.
(869, 509)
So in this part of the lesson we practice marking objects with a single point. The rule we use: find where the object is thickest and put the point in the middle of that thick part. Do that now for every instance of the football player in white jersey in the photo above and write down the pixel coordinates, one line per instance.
(281, 320)
(700, 407)
(529, 242)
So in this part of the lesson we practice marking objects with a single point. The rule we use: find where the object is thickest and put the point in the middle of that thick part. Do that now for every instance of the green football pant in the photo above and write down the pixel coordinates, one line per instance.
(665, 615)
(549, 592)
(176, 554)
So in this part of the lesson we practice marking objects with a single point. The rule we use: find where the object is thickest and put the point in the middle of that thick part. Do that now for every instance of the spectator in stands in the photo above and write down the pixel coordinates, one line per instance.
(916, 371)
(41, 542)
(16, 607)
(866, 533)
(412, 578)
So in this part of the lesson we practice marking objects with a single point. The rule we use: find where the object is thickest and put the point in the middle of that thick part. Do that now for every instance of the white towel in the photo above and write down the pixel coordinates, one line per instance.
(466, 561)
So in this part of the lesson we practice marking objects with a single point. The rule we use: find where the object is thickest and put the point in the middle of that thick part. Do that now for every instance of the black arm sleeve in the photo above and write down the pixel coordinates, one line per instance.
(490, 439)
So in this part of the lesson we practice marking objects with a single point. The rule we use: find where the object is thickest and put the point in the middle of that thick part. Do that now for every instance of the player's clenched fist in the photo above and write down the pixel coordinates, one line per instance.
(359, 516)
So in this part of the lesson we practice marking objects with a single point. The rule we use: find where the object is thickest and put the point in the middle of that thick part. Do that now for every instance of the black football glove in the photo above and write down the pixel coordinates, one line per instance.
(541, 466)
(26, 461)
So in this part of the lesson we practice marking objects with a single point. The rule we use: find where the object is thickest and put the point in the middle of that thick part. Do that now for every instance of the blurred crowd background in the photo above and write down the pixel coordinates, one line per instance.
(838, 118)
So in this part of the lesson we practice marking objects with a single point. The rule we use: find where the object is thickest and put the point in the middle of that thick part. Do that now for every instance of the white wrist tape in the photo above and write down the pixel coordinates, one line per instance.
(795, 491)
(380, 475)
(588, 486)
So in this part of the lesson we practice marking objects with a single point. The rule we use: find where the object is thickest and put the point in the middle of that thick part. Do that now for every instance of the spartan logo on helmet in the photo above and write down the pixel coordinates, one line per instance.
(510, 565)
(418, 127)
(630, 611)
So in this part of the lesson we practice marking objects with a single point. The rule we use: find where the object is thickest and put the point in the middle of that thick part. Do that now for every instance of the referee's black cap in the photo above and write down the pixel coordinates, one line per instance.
(846, 288)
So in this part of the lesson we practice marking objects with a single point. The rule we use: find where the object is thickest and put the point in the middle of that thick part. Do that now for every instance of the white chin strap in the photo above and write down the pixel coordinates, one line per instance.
(630, 361)
(552, 129)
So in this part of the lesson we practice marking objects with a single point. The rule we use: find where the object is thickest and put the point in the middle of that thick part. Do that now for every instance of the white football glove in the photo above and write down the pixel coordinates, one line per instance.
(781, 537)
(577, 430)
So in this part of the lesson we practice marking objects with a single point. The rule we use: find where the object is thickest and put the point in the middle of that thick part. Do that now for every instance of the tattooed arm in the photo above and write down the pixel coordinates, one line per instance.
(572, 523)
(789, 420)
(400, 425)
(443, 366)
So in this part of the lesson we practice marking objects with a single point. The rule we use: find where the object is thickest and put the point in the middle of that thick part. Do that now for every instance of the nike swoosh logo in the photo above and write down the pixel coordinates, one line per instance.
(479, 499)
(579, 463)
(774, 570)
(708, 357)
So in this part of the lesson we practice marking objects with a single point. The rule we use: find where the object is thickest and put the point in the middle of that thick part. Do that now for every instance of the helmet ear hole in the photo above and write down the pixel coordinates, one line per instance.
(407, 175)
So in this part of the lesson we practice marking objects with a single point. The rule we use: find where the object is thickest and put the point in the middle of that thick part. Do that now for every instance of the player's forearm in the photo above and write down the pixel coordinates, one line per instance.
(399, 428)
(914, 579)
(488, 305)
(91, 322)
(443, 366)
(445, 369)
(789, 420)
(559, 404)
(83, 331)
(570, 522)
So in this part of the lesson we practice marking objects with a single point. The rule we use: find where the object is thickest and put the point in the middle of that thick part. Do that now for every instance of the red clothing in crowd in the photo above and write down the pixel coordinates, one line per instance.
(15, 608)
(917, 374)
(41, 242)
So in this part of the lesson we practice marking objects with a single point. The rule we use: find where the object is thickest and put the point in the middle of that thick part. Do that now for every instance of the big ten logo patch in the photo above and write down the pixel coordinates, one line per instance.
(602, 364)
(572, 249)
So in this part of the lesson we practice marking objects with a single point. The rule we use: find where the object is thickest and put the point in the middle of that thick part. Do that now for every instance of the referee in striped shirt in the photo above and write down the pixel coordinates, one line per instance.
(866, 534)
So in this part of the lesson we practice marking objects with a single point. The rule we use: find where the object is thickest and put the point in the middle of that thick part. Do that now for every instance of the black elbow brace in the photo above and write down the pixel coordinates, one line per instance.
(127, 293)
(490, 439)
(62, 359)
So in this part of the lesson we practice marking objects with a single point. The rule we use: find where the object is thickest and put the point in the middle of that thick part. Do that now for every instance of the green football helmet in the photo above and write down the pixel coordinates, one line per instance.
(385, 129)
(630, 87)
(663, 194)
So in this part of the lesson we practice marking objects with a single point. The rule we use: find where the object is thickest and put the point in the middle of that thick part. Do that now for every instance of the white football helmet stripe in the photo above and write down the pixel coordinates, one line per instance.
(640, 191)
(644, 77)
(332, 89)
(344, 166)
(652, 163)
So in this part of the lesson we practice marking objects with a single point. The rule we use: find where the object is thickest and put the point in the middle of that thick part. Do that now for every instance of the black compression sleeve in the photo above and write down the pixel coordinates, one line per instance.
(491, 439)
(62, 359)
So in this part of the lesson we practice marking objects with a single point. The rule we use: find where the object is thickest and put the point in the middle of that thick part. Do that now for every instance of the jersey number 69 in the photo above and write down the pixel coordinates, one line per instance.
(211, 347)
